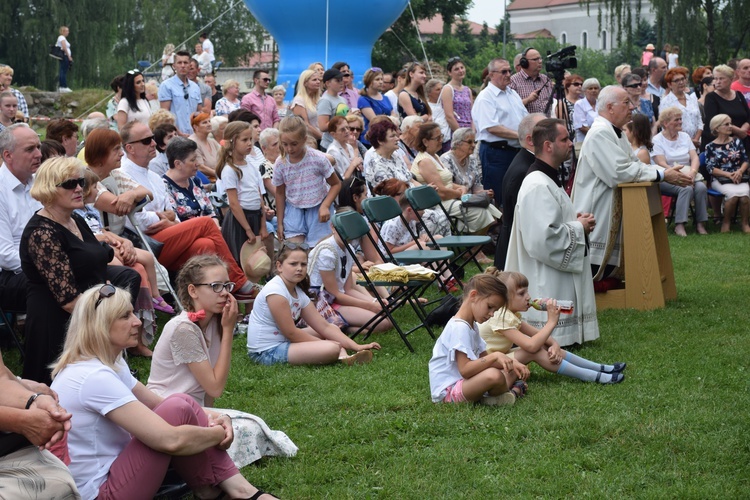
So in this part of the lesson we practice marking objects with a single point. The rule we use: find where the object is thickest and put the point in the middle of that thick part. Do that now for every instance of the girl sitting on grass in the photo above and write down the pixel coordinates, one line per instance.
(194, 354)
(272, 334)
(506, 328)
(461, 370)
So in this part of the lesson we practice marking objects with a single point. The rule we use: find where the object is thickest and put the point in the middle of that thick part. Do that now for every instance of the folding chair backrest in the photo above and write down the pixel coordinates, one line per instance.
(381, 208)
(422, 197)
(350, 225)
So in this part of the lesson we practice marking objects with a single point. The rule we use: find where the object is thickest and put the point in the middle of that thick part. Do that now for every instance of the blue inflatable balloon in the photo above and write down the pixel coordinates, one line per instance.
(328, 31)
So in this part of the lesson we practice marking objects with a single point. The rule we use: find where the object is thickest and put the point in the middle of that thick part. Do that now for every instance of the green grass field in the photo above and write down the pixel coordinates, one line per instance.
(677, 427)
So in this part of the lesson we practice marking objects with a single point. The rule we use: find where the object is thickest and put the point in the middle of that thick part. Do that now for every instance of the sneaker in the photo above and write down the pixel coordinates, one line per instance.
(505, 399)
(64, 90)
(358, 358)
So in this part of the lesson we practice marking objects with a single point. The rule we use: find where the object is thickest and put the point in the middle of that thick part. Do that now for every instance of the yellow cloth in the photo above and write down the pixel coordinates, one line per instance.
(492, 330)
(392, 272)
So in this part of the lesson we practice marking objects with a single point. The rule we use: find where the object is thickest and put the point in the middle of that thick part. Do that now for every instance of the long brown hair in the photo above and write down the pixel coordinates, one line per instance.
(231, 133)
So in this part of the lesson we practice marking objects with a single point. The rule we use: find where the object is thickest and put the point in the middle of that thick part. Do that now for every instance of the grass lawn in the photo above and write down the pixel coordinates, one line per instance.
(676, 427)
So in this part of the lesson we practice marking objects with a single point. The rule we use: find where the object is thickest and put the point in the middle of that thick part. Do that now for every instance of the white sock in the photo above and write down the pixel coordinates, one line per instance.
(570, 370)
(585, 363)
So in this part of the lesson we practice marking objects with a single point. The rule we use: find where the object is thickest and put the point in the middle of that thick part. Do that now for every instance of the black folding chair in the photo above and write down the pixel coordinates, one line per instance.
(466, 246)
(8, 323)
(351, 226)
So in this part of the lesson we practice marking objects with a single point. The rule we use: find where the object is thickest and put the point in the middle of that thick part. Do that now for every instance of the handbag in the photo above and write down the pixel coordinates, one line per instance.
(481, 200)
(447, 308)
(56, 52)
(323, 306)
(726, 180)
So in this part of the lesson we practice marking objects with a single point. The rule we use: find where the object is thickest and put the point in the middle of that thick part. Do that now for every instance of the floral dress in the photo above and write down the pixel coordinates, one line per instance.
(189, 202)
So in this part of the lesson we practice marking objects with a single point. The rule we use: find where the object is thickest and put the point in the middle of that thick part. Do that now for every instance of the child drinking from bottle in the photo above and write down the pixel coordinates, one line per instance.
(507, 328)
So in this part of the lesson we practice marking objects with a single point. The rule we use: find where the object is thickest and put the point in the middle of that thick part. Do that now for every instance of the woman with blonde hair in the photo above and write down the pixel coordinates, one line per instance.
(231, 99)
(167, 60)
(305, 103)
(126, 436)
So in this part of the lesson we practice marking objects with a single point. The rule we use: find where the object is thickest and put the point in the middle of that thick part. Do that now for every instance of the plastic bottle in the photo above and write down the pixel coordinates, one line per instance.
(540, 304)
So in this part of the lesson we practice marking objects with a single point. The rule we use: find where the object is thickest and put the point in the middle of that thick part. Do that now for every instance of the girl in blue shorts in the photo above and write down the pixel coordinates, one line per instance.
(306, 186)
(460, 368)
(272, 333)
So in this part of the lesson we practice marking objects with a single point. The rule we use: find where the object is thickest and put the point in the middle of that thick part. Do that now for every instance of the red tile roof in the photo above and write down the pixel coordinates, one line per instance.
(434, 26)
(533, 35)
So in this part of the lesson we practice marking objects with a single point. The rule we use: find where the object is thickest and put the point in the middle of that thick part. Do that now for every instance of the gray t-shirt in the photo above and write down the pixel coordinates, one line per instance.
(331, 106)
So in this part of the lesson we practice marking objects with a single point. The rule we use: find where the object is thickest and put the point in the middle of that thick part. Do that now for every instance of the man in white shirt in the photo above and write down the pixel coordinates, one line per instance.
(497, 112)
(204, 60)
(392, 94)
(208, 47)
(657, 68)
(20, 149)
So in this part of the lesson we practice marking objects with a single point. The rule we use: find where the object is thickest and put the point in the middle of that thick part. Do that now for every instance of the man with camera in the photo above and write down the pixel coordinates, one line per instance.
(534, 87)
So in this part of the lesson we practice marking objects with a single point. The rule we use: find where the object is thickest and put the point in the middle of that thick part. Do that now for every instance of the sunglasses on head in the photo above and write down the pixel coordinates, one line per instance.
(134, 72)
(218, 286)
(375, 69)
(104, 292)
(453, 59)
(295, 246)
(146, 141)
(71, 184)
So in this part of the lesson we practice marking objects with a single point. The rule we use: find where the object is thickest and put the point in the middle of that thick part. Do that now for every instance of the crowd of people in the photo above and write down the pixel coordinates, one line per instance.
(233, 195)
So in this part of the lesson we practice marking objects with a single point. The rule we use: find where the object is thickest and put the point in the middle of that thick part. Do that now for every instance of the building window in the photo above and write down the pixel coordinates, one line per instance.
(604, 40)
(564, 38)
(585, 39)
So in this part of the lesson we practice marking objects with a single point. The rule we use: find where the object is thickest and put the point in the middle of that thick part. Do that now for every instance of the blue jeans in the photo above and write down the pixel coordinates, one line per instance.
(63, 77)
(495, 163)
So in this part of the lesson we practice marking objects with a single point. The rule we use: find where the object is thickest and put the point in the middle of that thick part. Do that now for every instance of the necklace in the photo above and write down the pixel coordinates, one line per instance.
(70, 224)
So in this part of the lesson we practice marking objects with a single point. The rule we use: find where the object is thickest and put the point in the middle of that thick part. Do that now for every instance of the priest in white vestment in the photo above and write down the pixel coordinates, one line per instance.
(548, 241)
(607, 160)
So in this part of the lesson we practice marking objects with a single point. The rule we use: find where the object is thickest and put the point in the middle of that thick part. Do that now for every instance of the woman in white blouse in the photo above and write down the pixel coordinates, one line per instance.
(584, 110)
(692, 123)
(133, 105)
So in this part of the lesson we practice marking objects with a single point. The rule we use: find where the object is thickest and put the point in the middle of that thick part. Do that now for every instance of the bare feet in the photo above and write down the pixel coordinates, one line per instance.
(701, 228)
(746, 229)
(679, 230)
(725, 227)
(483, 259)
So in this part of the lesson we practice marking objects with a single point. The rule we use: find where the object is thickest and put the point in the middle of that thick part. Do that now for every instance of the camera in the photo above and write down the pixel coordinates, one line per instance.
(563, 59)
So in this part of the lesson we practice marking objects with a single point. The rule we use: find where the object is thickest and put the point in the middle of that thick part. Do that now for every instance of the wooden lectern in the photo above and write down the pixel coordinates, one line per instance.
(649, 276)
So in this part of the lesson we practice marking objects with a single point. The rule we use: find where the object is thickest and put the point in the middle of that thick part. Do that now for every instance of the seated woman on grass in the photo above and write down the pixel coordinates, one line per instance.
(126, 436)
(461, 370)
(331, 270)
(506, 328)
(194, 354)
(272, 333)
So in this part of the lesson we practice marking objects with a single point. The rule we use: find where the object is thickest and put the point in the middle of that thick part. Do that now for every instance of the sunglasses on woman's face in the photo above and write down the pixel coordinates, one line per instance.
(71, 184)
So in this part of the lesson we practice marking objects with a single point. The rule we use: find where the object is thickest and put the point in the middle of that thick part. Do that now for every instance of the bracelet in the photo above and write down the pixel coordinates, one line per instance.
(32, 399)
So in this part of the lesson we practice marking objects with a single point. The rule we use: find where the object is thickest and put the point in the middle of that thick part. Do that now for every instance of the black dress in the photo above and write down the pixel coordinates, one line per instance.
(59, 267)
(736, 109)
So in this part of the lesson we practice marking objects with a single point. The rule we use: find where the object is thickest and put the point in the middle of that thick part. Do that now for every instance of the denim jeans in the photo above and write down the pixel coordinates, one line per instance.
(63, 77)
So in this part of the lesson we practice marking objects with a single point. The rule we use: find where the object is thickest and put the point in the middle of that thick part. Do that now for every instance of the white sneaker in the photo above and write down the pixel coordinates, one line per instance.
(505, 399)
(64, 90)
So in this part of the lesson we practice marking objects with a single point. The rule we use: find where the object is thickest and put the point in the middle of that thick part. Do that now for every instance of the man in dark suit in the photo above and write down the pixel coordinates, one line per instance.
(512, 183)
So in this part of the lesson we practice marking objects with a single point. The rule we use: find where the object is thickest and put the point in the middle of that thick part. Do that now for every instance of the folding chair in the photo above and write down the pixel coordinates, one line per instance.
(466, 246)
(351, 226)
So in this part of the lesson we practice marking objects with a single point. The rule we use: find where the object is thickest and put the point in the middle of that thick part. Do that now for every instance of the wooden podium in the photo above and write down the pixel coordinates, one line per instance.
(649, 276)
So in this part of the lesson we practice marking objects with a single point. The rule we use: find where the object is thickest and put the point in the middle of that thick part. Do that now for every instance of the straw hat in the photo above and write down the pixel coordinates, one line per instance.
(255, 261)
(650, 46)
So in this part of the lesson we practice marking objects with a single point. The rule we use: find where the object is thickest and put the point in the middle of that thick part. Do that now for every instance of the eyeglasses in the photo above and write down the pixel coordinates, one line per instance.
(71, 184)
(634, 85)
(343, 129)
(376, 70)
(295, 246)
(267, 80)
(146, 141)
(355, 129)
(218, 286)
(472, 142)
(536, 59)
(346, 75)
(134, 72)
(105, 291)
(438, 138)
(577, 84)
(501, 71)
(679, 80)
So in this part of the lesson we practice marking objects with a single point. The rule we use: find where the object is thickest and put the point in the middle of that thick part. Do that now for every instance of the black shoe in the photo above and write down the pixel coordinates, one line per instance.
(617, 377)
(617, 368)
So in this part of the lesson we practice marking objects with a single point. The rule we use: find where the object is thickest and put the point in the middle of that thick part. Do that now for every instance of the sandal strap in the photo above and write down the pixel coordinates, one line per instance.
(257, 494)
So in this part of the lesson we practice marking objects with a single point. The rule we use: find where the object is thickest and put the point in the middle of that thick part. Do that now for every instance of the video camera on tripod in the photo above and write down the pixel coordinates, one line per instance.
(557, 63)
